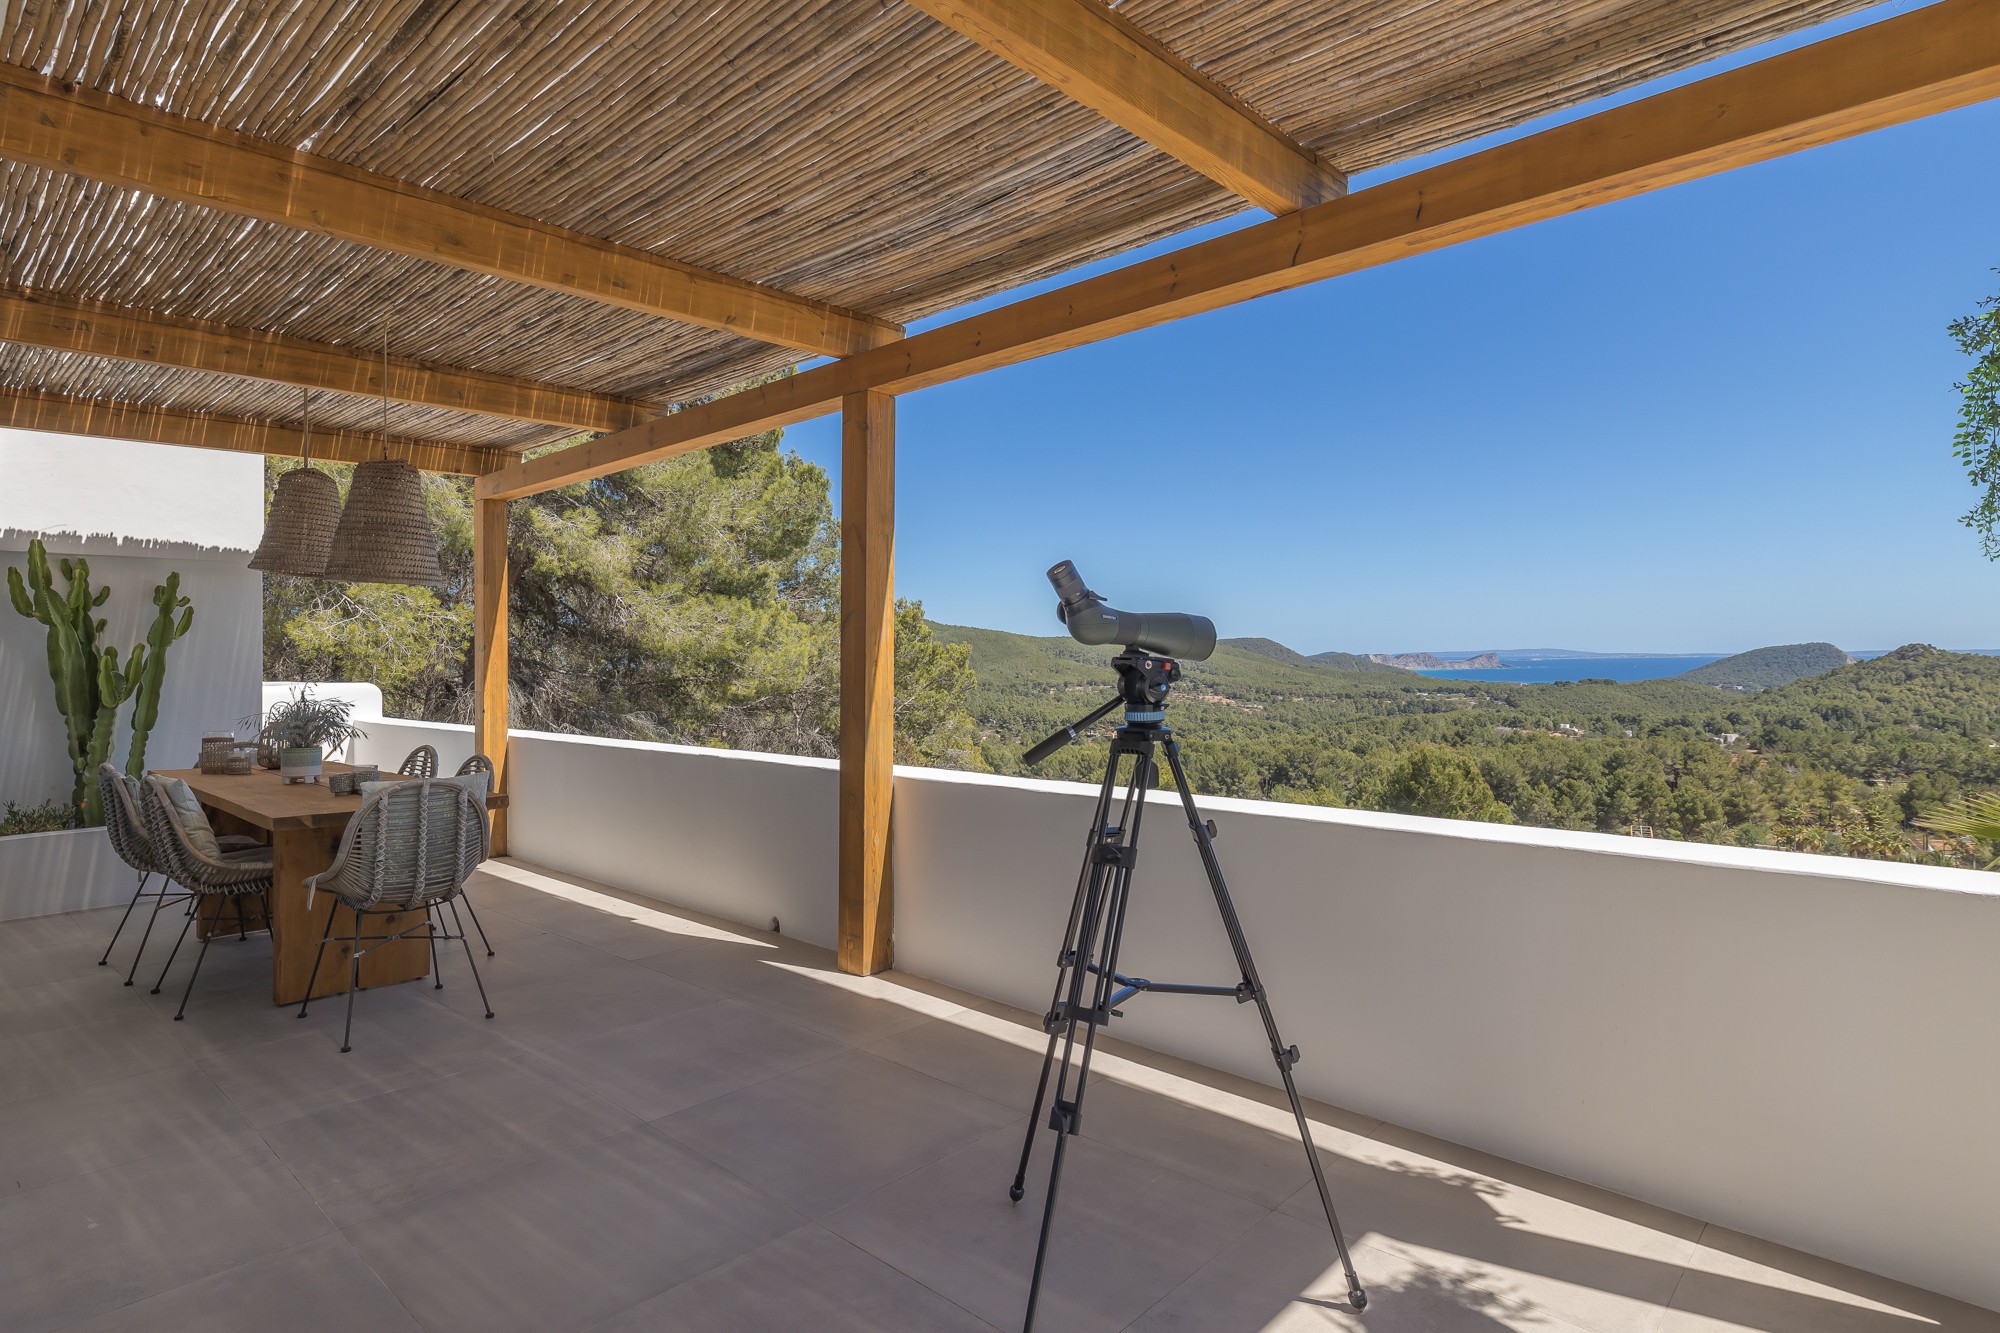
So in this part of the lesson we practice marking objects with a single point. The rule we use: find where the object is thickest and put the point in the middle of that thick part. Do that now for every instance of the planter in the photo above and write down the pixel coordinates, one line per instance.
(70, 871)
(300, 763)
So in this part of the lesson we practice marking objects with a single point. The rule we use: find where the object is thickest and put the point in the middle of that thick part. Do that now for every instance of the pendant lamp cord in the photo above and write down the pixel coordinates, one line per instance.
(306, 432)
(385, 390)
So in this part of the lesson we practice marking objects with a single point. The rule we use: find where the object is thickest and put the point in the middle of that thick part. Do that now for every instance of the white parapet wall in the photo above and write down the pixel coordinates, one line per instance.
(1800, 1047)
(750, 837)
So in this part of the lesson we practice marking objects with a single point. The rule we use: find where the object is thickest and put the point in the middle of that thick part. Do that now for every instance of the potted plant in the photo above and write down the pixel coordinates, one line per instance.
(303, 728)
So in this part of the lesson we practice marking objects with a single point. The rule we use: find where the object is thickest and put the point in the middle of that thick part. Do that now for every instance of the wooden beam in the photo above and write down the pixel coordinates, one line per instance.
(867, 678)
(1934, 59)
(122, 333)
(1096, 56)
(489, 649)
(29, 409)
(86, 133)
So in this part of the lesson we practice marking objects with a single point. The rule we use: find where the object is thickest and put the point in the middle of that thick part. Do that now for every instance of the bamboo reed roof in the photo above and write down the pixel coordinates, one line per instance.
(850, 151)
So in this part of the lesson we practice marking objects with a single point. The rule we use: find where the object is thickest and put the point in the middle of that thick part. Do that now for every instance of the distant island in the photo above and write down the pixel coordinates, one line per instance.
(1432, 662)
(1768, 668)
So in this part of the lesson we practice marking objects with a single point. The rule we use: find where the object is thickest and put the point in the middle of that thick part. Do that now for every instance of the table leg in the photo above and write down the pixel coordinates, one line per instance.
(296, 929)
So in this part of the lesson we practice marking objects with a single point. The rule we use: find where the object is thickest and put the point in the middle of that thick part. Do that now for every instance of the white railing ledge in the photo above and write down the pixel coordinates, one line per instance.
(1900, 874)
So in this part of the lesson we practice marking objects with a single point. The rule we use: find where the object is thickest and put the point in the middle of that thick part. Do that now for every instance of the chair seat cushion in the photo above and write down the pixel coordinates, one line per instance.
(188, 813)
(247, 858)
(236, 842)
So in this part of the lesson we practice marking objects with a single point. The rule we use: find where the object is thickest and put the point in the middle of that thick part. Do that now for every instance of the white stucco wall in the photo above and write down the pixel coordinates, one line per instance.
(1800, 1047)
(136, 512)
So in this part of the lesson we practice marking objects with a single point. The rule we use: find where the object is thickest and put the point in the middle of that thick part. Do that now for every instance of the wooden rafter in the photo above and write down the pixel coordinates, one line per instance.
(1095, 56)
(26, 409)
(1934, 59)
(96, 328)
(103, 138)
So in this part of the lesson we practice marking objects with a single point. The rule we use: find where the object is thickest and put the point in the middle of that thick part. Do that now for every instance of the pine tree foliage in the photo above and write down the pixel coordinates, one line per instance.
(694, 600)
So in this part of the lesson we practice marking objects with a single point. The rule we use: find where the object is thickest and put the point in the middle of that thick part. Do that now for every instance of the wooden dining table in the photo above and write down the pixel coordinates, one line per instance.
(303, 823)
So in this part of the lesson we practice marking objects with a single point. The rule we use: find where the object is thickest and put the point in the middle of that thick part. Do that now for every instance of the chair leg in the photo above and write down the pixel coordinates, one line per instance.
(431, 927)
(241, 933)
(215, 919)
(194, 900)
(484, 1002)
(137, 893)
(353, 985)
(159, 901)
(312, 979)
(475, 922)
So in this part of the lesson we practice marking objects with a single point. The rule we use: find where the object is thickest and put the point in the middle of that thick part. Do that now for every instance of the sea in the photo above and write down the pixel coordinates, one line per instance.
(1543, 670)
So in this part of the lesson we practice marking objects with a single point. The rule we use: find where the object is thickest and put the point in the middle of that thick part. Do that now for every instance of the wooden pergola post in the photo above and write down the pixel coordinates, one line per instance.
(489, 648)
(867, 676)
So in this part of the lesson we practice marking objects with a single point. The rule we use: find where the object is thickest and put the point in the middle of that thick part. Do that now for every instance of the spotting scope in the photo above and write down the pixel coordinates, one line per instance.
(1168, 633)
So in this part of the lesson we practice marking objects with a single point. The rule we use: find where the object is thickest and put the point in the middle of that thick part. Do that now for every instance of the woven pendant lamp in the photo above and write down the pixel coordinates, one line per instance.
(385, 533)
(305, 510)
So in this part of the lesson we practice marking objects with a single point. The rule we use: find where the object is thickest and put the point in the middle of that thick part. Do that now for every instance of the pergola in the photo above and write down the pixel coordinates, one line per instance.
(567, 218)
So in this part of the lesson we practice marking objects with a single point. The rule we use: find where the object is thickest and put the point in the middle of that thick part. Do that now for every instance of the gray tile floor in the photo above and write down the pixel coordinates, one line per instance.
(675, 1123)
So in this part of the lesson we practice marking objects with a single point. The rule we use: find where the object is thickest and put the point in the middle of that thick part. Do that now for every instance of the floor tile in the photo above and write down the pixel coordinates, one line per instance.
(1126, 1232)
(59, 1004)
(807, 1279)
(321, 1286)
(567, 1240)
(1247, 1148)
(46, 1139)
(1282, 1276)
(803, 986)
(80, 1247)
(1734, 1281)
(825, 1135)
(272, 1081)
(393, 1148)
(570, 1005)
(667, 1064)
(523, 962)
(1611, 1271)
(613, 927)
(968, 1057)
(42, 1064)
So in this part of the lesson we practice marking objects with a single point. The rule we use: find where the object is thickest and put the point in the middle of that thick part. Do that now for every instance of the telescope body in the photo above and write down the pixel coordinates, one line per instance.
(1089, 620)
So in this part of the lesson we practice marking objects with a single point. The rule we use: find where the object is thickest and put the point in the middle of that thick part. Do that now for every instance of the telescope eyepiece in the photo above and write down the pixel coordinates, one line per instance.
(1071, 592)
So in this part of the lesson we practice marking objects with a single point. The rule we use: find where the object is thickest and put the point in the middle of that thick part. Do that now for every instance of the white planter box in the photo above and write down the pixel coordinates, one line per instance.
(43, 873)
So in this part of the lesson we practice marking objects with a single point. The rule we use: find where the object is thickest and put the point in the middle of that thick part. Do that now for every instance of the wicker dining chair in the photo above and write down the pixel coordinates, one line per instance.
(409, 848)
(478, 763)
(224, 877)
(126, 828)
(421, 762)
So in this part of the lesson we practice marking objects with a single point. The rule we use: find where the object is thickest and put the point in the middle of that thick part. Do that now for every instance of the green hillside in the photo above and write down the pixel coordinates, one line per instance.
(1768, 668)
(1839, 762)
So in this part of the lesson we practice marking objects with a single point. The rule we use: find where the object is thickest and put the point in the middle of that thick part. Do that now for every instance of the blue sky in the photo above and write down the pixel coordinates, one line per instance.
(1706, 419)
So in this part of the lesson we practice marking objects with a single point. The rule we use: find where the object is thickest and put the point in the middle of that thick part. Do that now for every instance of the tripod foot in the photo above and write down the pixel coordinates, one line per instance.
(1015, 1192)
(1357, 1298)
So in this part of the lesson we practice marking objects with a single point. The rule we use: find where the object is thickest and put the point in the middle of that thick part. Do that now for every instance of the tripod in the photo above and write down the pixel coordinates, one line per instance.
(1088, 961)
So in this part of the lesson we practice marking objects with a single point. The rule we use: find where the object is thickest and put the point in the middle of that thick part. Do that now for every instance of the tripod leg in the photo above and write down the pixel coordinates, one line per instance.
(1103, 928)
(1285, 1056)
(1066, 958)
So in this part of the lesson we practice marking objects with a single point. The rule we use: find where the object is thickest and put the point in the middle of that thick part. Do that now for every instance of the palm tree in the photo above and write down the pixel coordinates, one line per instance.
(1969, 817)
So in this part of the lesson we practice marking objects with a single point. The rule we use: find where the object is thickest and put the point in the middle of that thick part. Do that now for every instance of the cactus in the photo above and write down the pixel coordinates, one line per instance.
(149, 670)
(90, 687)
(114, 687)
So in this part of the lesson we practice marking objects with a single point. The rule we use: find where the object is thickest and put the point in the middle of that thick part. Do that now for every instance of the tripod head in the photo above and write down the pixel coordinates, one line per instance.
(1144, 678)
